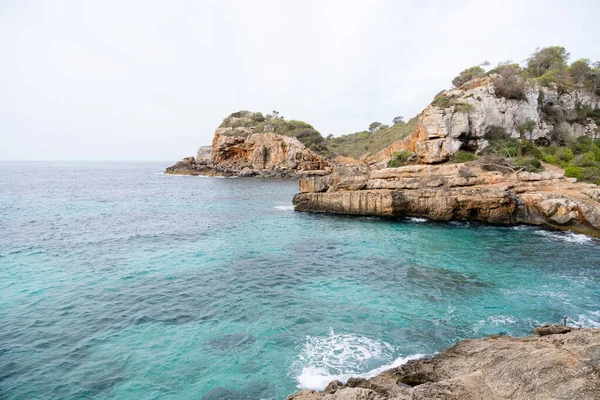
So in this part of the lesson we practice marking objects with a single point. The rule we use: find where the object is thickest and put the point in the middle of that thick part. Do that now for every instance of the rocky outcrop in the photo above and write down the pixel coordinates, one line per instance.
(239, 152)
(460, 120)
(464, 192)
(557, 366)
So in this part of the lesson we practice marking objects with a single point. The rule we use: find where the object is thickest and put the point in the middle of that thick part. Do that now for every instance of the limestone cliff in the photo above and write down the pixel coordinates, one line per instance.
(564, 365)
(459, 118)
(239, 152)
(466, 192)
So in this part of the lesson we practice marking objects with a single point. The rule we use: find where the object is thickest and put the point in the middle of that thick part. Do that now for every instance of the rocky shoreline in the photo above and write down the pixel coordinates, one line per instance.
(243, 153)
(471, 191)
(558, 362)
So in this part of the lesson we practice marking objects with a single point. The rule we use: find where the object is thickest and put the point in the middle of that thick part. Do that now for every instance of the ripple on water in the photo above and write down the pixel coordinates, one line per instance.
(136, 285)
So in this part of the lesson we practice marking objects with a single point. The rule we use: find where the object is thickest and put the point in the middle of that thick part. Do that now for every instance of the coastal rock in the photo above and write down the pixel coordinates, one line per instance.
(556, 366)
(253, 154)
(464, 192)
(546, 330)
(460, 121)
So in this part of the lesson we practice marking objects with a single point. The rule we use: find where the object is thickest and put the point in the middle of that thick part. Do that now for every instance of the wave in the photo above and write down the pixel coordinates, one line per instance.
(584, 321)
(569, 237)
(285, 208)
(342, 356)
(417, 219)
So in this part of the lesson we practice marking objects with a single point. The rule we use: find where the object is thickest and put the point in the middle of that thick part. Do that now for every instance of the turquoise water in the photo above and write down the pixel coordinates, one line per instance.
(119, 282)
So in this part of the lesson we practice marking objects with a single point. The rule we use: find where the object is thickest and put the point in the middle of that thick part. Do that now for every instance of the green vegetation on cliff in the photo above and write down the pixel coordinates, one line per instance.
(273, 123)
(546, 67)
(370, 142)
(355, 145)
(579, 157)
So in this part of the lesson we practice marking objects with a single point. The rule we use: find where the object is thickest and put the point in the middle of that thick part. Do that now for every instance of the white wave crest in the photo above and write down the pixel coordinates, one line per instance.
(569, 237)
(584, 321)
(342, 356)
(285, 208)
(501, 320)
(417, 219)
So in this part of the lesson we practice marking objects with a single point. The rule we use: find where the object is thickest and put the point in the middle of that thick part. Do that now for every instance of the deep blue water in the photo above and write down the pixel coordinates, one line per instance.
(119, 282)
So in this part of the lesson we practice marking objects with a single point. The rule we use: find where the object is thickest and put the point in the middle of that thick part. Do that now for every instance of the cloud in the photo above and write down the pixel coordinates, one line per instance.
(149, 80)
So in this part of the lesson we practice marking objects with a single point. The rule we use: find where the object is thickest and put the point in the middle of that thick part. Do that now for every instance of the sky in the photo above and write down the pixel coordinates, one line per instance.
(151, 80)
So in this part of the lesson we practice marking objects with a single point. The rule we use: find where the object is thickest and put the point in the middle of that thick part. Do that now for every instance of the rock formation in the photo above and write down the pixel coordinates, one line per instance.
(459, 118)
(556, 366)
(466, 192)
(239, 152)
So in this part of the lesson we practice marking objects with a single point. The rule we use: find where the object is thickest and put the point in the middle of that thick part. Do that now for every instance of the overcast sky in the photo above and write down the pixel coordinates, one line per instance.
(151, 80)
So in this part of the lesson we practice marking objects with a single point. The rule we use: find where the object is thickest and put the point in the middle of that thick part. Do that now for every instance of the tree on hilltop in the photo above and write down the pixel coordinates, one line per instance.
(374, 126)
(398, 120)
(546, 59)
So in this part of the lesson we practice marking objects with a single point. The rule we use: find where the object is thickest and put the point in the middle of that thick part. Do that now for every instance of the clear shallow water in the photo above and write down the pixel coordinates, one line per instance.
(119, 282)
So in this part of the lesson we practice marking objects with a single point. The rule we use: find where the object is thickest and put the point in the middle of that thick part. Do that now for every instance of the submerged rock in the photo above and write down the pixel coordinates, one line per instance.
(556, 366)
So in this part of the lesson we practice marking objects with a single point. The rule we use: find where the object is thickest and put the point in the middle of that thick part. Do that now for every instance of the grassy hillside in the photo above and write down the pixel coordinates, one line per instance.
(352, 145)
(369, 143)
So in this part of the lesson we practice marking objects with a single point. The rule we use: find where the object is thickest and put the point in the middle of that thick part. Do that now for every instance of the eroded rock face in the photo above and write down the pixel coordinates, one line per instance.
(556, 366)
(258, 154)
(474, 108)
(464, 192)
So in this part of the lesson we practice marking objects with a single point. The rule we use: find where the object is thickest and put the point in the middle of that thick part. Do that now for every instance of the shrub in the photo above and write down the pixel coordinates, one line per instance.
(442, 101)
(463, 156)
(585, 160)
(467, 75)
(527, 164)
(550, 159)
(464, 107)
(573, 172)
(495, 133)
(528, 148)
(591, 174)
(508, 84)
(564, 154)
(400, 158)
(526, 126)
(258, 117)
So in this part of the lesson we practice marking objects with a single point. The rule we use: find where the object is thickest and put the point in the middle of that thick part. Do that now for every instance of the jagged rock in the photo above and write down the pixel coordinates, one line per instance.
(556, 366)
(474, 107)
(253, 154)
(546, 330)
(203, 153)
(464, 192)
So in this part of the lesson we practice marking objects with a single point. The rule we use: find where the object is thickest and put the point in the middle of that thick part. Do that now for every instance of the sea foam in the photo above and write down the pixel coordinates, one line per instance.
(569, 237)
(342, 356)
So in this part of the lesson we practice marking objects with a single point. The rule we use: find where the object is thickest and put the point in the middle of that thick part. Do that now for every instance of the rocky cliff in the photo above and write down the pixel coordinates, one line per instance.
(475, 191)
(240, 152)
(562, 364)
(458, 119)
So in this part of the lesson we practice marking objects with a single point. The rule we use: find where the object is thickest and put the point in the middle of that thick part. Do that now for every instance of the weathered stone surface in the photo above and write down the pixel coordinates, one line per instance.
(474, 107)
(546, 330)
(361, 202)
(315, 184)
(456, 192)
(556, 366)
(253, 154)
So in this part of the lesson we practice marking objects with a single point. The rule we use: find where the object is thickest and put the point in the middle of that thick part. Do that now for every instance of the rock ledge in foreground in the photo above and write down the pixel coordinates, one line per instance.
(556, 366)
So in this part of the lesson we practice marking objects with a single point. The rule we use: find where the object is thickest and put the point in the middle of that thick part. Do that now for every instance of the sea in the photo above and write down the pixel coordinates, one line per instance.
(120, 282)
